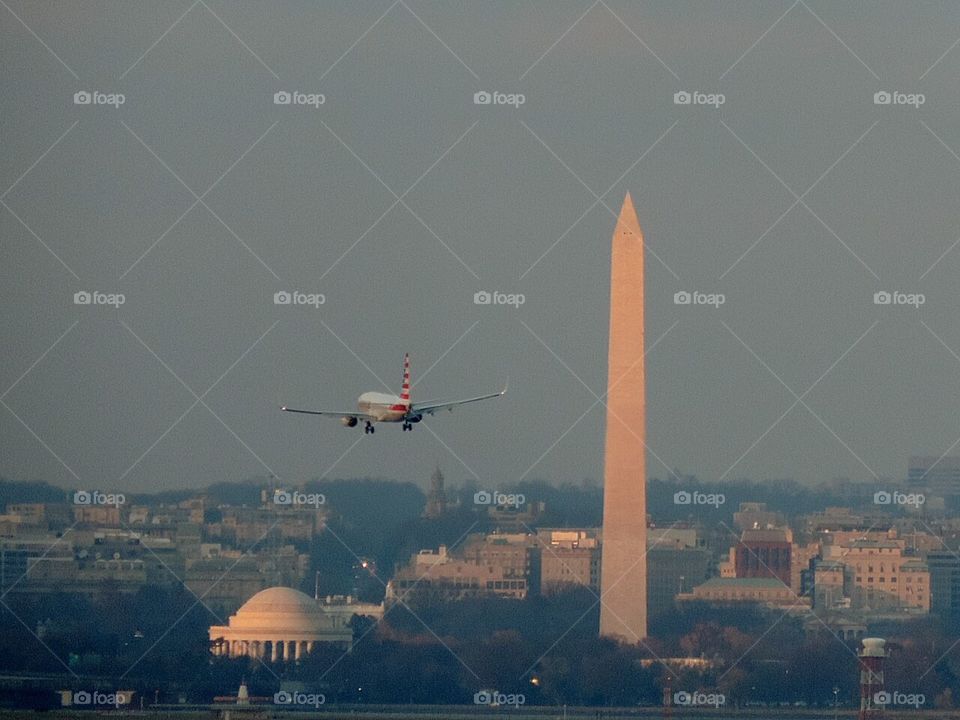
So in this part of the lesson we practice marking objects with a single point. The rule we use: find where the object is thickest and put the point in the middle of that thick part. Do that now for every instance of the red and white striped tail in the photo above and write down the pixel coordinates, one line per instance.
(405, 391)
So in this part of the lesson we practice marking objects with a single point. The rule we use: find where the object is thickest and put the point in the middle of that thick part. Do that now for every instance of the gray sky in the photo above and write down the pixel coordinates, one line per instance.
(798, 198)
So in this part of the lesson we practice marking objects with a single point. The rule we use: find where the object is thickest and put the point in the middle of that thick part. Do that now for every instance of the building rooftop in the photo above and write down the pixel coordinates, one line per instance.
(867, 543)
(767, 535)
(759, 583)
(829, 564)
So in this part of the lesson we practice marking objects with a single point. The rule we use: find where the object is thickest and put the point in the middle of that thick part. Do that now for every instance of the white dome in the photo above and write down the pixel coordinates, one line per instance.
(279, 599)
(280, 608)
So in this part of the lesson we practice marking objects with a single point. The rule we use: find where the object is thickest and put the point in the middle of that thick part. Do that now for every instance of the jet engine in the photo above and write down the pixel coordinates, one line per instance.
(349, 421)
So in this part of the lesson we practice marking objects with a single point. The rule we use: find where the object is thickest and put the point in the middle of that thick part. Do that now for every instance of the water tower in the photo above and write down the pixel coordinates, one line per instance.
(871, 658)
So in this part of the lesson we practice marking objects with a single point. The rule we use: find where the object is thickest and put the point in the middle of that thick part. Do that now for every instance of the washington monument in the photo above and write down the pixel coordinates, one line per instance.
(623, 572)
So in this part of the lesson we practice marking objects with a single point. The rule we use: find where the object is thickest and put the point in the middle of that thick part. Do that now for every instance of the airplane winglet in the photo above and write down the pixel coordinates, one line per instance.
(506, 385)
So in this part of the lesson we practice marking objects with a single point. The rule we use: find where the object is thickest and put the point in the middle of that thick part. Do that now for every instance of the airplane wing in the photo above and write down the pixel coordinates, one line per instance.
(429, 408)
(354, 413)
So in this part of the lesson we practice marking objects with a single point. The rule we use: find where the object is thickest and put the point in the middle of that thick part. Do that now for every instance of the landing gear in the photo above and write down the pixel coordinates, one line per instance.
(407, 426)
(368, 428)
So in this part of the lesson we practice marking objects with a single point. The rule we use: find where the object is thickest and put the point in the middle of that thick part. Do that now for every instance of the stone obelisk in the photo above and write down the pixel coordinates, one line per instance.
(623, 570)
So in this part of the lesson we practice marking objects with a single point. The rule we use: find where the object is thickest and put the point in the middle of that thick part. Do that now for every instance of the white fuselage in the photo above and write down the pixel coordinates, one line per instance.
(384, 407)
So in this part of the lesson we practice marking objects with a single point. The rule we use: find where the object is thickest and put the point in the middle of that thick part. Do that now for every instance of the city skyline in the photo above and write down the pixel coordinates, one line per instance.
(853, 570)
(711, 248)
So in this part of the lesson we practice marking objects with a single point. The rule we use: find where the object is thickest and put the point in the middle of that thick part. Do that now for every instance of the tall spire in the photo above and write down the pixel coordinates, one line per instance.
(437, 498)
(623, 586)
(627, 221)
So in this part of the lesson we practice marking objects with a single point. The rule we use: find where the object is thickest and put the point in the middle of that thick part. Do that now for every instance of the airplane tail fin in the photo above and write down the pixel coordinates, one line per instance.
(405, 391)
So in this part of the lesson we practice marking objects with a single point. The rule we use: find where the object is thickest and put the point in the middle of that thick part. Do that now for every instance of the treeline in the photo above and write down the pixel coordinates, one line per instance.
(12, 491)
(575, 505)
(544, 648)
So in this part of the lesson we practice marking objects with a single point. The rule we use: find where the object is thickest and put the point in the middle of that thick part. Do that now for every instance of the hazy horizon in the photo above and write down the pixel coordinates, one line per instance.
(798, 198)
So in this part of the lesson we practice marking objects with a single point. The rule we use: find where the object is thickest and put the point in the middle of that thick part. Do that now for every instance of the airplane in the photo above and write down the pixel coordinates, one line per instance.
(373, 407)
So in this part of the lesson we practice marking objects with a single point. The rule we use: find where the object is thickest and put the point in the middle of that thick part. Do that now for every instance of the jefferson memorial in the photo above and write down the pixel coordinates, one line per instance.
(281, 623)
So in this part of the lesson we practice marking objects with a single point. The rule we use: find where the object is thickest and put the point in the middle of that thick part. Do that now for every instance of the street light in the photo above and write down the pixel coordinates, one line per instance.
(836, 692)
